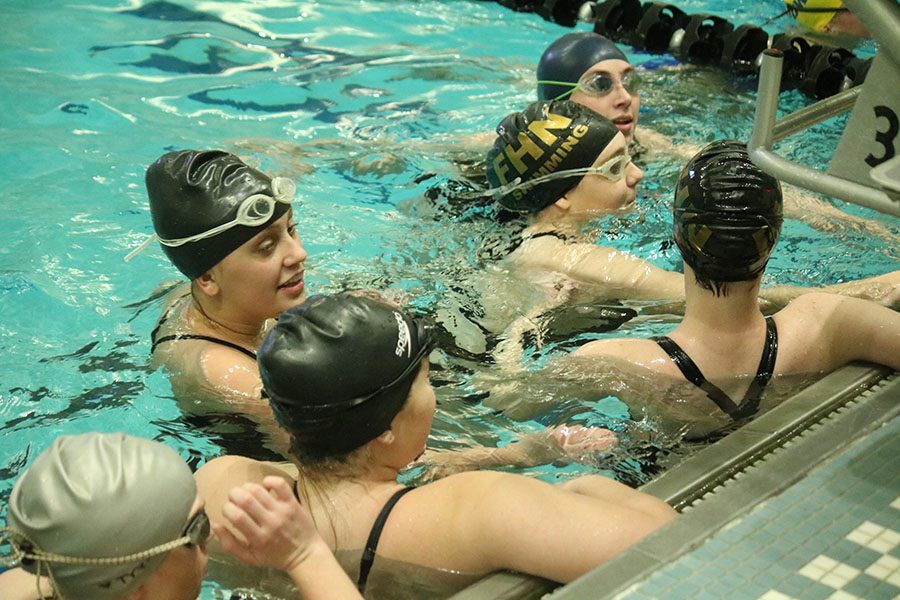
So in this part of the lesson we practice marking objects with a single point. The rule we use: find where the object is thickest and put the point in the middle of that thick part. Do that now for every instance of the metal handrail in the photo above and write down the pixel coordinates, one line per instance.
(760, 149)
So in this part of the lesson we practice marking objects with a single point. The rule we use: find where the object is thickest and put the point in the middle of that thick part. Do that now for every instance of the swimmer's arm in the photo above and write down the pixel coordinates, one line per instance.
(659, 143)
(852, 329)
(529, 526)
(824, 216)
(622, 275)
(19, 584)
(533, 449)
(615, 274)
(883, 289)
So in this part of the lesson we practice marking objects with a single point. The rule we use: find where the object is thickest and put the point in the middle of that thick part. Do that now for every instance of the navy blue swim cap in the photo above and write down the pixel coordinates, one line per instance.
(569, 57)
(727, 213)
(545, 138)
(193, 191)
(337, 369)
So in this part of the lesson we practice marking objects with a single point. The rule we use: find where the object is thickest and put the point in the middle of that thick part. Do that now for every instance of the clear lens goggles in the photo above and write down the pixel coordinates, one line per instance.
(254, 211)
(613, 169)
(599, 84)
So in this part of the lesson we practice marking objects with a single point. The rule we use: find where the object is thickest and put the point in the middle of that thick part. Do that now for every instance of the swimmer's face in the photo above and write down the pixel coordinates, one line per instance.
(264, 276)
(181, 573)
(846, 23)
(412, 424)
(619, 105)
(599, 193)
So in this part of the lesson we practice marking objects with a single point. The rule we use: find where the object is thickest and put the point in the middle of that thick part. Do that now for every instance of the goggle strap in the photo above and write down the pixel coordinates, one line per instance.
(48, 557)
(141, 248)
(517, 183)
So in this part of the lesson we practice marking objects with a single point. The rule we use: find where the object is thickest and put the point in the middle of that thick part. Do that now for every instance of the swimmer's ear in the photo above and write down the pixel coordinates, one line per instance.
(387, 437)
(563, 204)
(207, 284)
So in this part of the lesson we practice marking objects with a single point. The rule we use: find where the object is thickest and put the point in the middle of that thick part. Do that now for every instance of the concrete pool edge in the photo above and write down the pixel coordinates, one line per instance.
(713, 488)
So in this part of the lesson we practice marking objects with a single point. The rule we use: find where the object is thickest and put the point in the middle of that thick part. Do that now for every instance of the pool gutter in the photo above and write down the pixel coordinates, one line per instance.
(727, 478)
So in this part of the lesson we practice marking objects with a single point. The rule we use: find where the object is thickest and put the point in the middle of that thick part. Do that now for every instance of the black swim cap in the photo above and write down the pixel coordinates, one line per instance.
(569, 57)
(727, 213)
(192, 191)
(337, 369)
(545, 138)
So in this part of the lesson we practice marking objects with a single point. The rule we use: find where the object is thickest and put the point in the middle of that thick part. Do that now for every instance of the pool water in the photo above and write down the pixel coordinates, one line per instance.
(367, 105)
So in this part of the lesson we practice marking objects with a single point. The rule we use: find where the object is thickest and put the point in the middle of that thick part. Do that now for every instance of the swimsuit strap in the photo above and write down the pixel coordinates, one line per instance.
(693, 374)
(750, 403)
(551, 233)
(368, 557)
(206, 338)
(162, 320)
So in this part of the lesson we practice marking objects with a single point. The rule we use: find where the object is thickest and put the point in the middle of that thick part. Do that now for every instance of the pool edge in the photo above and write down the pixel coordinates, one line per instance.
(712, 488)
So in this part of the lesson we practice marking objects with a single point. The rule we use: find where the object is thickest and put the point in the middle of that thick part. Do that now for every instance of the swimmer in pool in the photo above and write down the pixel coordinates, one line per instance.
(230, 229)
(727, 217)
(347, 376)
(826, 16)
(589, 69)
(134, 503)
(553, 259)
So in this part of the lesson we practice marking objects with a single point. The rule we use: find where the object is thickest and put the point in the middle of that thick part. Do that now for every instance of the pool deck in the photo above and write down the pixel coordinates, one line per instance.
(804, 502)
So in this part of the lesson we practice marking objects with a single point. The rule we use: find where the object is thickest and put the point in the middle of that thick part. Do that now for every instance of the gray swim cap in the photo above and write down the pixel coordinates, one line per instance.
(569, 57)
(98, 496)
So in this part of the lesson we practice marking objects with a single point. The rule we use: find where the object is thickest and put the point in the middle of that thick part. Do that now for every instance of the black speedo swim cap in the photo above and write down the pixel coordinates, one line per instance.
(193, 191)
(727, 213)
(569, 57)
(337, 369)
(544, 139)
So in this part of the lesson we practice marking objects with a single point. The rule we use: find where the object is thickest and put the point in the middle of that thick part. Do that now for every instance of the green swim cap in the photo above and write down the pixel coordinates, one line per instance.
(337, 369)
(100, 495)
(545, 139)
(194, 191)
(727, 213)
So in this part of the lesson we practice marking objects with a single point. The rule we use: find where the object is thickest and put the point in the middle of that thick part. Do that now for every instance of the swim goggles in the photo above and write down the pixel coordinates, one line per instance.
(255, 210)
(25, 552)
(614, 168)
(599, 84)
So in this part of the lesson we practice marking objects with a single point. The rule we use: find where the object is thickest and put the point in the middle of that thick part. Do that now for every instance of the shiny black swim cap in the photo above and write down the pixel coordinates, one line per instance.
(545, 138)
(569, 57)
(337, 369)
(727, 213)
(192, 191)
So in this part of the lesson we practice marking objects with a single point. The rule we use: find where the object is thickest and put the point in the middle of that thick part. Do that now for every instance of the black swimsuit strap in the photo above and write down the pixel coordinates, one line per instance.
(368, 557)
(692, 373)
(190, 336)
(750, 403)
(555, 234)
(206, 338)
(765, 370)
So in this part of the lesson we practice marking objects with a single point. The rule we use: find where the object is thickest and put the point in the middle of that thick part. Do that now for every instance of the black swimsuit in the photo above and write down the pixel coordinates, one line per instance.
(750, 403)
(368, 555)
(154, 342)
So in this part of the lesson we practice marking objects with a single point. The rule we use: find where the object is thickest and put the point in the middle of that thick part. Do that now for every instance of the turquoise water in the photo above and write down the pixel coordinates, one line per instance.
(93, 92)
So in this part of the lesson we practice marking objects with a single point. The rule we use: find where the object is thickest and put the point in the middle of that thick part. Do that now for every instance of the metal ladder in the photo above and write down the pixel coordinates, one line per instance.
(865, 168)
